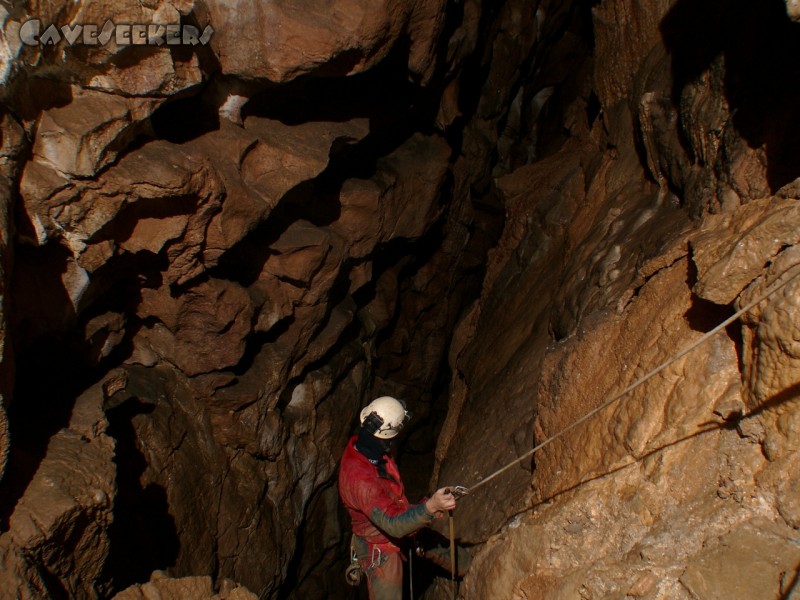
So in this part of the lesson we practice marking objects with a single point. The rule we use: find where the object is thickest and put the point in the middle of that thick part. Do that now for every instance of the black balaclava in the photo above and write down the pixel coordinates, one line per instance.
(374, 449)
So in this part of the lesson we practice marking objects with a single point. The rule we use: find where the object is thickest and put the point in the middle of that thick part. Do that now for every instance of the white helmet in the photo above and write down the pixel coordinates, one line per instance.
(384, 417)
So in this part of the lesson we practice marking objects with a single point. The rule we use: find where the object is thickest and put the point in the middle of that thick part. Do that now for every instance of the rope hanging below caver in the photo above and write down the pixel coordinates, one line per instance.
(705, 337)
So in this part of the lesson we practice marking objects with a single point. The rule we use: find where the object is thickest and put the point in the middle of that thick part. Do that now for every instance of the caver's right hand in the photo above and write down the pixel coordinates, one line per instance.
(441, 502)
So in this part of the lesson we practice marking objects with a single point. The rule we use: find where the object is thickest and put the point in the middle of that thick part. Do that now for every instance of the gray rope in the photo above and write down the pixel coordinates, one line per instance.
(705, 337)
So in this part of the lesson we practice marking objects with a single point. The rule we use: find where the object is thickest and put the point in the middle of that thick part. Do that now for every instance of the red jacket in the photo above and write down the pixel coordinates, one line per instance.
(378, 507)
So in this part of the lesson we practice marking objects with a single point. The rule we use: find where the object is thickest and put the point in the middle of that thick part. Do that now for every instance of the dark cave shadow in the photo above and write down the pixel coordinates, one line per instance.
(427, 570)
(761, 81)
(143, 536)
(41, 315)
(55, 361)
(386, 95)
(704, 315)
(730, 423)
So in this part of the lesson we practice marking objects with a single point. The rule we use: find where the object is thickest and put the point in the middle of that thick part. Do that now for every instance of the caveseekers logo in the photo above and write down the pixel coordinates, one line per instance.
(151, 34)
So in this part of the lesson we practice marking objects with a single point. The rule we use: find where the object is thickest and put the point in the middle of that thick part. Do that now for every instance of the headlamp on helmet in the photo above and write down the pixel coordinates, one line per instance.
(384, 417)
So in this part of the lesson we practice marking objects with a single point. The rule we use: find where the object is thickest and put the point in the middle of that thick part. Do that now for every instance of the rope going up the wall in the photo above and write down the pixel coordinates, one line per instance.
(699, 341)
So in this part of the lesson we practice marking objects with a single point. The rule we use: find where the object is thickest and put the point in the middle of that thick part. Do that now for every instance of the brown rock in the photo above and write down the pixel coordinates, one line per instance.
(772, 355)
(184, 588)
(300, 252)
(238, 504)
(61, 521)
(731, 249)
(167, 198)
(160, 198)
(380, 209)
(620, 55)
(5, 441)
(119, 69)
(283, 156)
(265, 161)
(202, 330)
(157, 73)
(748, 562)
(284, 40)
(83, 137)
(274, 315)
(104, 333)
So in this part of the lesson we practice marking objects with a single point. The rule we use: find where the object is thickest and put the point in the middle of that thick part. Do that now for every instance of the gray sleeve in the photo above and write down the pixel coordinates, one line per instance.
(401, 525)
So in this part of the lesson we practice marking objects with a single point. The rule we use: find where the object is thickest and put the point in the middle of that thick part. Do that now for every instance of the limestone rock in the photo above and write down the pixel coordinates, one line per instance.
(85, 136)
(172, 430)
(731, 249)
(707, 448)
(750, 562)
(184, 588)
(159, 199)
(378, 210)
(203, 330)
(260, 165)
(58, 531)
(793, 9)
(626, 32)
(104, 63)
(260, 277)
(5, 440)
(772, 355)
(284, 40)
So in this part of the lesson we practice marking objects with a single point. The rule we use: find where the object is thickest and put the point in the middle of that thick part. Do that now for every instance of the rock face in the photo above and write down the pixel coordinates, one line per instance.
(241, 257)
(162, 587)
(12, 146)
(56, 540)
(621, 259)
(214, 252)
(288, 39)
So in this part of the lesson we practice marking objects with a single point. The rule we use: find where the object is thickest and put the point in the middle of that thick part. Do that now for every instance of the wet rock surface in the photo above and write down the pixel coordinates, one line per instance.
(212, 255)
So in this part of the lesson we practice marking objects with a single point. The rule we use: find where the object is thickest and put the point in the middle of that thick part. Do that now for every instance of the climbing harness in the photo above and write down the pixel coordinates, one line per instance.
(375, 559)
(702, 339)
(354, 575)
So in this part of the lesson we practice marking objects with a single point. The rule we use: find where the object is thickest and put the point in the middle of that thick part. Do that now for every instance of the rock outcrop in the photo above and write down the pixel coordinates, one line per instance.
(56, 539)
(162, 587)
(243, 238)
(621, 259)
(215, 249)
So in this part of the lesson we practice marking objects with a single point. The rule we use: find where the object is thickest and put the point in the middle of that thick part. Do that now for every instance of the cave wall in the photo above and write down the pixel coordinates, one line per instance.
(215, 254)
(660, 217)
(211, 256)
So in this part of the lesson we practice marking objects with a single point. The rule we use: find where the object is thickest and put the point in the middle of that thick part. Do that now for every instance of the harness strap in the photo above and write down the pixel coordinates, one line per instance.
(375, 553)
